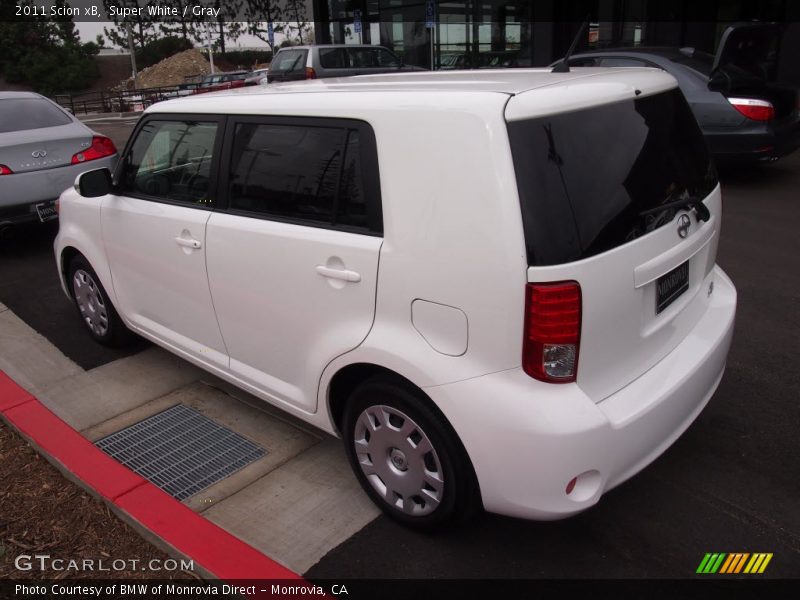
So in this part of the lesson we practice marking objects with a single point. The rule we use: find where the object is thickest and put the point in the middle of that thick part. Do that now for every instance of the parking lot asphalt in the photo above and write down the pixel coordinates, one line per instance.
(728, 485)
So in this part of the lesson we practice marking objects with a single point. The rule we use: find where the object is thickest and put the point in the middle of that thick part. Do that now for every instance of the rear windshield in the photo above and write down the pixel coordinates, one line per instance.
(19, 114)
(584, 177)
(289, 60)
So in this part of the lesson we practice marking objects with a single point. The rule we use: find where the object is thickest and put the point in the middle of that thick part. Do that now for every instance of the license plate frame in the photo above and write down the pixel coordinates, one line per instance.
(670, 286)
(46, 211)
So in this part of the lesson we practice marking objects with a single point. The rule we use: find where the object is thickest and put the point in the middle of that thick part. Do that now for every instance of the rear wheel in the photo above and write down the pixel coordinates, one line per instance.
(96, 311)
(405, 457)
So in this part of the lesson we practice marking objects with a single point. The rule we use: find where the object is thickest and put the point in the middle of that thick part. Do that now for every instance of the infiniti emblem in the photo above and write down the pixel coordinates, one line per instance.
(683, 225)
(39, 153)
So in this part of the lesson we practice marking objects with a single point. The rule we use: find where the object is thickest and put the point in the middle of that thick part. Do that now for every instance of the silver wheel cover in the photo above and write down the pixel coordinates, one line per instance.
(90, 302)
(398, 460)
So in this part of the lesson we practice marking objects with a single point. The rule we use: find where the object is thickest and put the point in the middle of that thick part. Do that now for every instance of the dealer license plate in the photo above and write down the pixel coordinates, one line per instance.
(671, 285)
(46, 211)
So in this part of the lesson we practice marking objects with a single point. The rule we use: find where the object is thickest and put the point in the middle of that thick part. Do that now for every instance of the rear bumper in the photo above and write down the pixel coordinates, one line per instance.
(20, 191)
(527, 441)
(757, 143)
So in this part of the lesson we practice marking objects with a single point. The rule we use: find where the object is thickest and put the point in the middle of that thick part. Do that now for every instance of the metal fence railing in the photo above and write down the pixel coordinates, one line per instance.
(120, 101)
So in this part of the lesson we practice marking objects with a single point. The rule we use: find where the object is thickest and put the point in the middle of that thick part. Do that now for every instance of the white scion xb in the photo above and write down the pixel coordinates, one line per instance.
(499, 288)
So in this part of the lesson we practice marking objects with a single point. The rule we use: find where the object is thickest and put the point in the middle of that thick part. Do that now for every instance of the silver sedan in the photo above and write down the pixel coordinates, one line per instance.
(43, 148)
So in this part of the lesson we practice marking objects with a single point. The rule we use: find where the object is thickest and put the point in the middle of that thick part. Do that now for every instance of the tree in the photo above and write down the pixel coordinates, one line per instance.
(296, 12)
(142, 25)
(180, 25)
(46, 53)
(224, 27)
(259, 14)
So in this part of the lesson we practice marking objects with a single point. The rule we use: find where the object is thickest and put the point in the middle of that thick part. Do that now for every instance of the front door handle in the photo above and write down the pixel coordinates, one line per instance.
(188, 243)
(342, 274)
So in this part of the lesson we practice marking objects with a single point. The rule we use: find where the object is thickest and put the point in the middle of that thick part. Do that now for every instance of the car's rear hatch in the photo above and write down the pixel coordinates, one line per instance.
(748, 56)
(595, 160)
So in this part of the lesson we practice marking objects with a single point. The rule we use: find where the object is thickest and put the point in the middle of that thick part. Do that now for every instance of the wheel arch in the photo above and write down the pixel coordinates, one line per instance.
(67, 254)
(347, 378)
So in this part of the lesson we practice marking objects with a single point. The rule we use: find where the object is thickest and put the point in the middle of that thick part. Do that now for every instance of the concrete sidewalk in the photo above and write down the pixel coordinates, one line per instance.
(294, 504)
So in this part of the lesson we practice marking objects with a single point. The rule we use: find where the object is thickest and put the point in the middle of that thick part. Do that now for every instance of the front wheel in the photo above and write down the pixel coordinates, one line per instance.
(94, 306)
(406, 458)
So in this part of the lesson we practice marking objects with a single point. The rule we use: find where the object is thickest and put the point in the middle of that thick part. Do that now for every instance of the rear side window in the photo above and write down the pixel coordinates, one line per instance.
(585, 177)
(287, 61)
(171, 160)
(372, 58)
(309, 174)
(20, 114)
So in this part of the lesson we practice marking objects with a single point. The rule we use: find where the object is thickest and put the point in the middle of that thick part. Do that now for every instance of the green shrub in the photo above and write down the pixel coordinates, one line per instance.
(246, 58)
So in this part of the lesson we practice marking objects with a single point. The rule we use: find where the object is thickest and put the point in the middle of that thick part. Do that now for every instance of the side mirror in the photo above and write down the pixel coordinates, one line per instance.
(720, 81)
(93, 184)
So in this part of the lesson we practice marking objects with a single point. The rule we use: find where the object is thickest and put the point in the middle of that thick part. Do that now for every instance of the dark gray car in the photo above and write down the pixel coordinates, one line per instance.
(743, 113)
(334, 60)
(43, 148)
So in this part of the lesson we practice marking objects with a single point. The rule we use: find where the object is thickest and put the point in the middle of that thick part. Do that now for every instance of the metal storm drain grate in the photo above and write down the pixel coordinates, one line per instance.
(180, 450)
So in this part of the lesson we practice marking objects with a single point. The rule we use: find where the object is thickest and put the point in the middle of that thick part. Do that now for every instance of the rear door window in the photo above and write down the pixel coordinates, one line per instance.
(333, 58)
(317, 175)
(20, 114)
(585, 177)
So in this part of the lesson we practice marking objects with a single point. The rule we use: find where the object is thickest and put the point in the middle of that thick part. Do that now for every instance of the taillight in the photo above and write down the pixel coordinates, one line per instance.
(551, 344)
(757, 110)
(100, 148)
(4, 170)
(310, 73)
(57, 205)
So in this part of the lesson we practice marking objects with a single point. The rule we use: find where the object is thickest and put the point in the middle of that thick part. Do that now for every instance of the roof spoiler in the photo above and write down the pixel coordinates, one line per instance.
(563, 65)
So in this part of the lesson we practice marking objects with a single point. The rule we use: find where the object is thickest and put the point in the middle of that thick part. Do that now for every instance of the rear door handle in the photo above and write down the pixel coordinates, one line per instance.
(188, 243)
(342, 274)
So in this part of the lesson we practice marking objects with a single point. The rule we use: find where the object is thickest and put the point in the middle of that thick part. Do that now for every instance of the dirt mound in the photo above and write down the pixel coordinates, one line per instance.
(173, 70)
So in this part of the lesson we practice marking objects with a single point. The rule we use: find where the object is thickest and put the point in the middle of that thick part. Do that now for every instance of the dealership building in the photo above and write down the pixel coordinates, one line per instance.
(486, 33)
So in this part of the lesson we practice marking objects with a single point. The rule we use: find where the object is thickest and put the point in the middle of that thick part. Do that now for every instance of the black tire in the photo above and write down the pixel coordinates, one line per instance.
(81, 276)
(459, 499)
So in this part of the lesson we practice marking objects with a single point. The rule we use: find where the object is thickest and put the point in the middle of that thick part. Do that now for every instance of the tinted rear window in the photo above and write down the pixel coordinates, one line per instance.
(584, 177)
(19, 114)
(289, 60)
(307, 174)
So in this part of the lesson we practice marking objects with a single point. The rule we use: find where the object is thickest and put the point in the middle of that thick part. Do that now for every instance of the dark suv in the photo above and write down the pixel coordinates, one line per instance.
(334, 60)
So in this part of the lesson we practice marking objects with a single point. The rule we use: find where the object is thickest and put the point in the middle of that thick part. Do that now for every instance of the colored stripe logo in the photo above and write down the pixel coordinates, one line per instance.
(734, 563)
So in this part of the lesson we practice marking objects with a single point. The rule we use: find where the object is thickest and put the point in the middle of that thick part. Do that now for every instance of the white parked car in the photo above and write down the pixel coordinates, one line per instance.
(498, 287)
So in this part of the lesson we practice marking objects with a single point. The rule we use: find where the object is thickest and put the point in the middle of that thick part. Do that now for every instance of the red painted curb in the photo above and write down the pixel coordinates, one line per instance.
(11, 394)
(210, 546)
(96, 469)
(198, 538)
